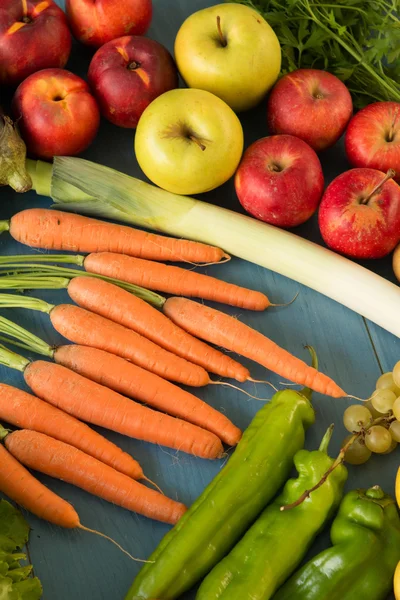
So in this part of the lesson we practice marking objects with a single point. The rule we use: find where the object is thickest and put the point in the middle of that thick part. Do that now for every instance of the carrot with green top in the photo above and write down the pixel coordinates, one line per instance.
(56, 230)
(118, 305)
(88, 329)
(173, 280)
(94, 403)
(122, 376)
(28, 412)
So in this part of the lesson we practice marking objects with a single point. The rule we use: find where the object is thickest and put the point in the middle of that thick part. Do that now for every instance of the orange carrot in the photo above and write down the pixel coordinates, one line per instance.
(96, 404)
(56, 230)
(221, 329)
(28, 412)
(57, 459)
(88, 329)
(173, 280)
(128, 379)
(22, 487)
(116, 304)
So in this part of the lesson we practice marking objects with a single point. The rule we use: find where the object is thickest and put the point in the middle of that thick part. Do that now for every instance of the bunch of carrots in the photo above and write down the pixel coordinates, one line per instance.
(125, 354)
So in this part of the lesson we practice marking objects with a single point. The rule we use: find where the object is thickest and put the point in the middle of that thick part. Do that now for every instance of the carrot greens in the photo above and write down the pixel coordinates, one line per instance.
(358, 41)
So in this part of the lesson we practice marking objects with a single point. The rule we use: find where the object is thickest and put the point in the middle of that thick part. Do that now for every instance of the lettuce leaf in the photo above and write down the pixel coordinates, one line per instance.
(16, 582)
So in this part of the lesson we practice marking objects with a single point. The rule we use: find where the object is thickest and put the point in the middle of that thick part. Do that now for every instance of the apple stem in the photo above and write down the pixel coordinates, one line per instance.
(391, 173)
(133, 65)
(196, 140)
(221, 35)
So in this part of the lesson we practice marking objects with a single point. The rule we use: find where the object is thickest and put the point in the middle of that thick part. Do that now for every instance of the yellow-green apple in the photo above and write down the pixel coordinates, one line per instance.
(126, 74)
(311, 104)
(57, 113)
(231, 51)
(34, 35)
(96, 22)
(188, 141)
(359, 214)
(280, 180)
(373, 137)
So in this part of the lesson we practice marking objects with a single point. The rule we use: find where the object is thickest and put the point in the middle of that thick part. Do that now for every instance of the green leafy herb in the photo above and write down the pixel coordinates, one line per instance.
(15, 580)
(357, 40)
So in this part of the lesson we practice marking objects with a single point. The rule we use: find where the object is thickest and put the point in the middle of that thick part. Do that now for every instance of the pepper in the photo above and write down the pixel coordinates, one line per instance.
(361, 563)
(276, 543)
(256, 470)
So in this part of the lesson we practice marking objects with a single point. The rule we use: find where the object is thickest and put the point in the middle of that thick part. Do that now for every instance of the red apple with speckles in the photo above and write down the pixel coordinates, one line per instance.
(127, 74)
(96, 22)
(34, 35)
(280, 180)
(373, 137)
(359, 214)
(57, 113)
(311, 104)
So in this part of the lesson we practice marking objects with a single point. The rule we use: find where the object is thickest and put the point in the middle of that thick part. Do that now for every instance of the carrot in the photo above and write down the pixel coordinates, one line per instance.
(124, 308)
(173, 280)
(128, 379)
(56, 230)
(96, 404)
(88, 329)
(28, 412)
(22, 487)
(221, 329)
(45, 454)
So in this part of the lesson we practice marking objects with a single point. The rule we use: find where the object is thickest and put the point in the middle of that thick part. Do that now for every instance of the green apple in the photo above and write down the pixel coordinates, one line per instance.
(188, 141)
(231, 51)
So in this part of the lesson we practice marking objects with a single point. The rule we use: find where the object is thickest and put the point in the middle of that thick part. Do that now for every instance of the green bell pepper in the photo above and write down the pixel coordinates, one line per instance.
(276, 543)
(361, 563)
(256, 470)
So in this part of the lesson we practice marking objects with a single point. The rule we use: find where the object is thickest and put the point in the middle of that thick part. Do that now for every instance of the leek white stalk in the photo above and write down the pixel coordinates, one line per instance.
(89, 188)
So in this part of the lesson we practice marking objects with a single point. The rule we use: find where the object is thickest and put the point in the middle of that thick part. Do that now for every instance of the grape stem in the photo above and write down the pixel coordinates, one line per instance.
(339, 460)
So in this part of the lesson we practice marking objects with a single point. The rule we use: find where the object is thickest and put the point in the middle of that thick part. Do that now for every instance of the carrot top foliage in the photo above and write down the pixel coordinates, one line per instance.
(357, 41)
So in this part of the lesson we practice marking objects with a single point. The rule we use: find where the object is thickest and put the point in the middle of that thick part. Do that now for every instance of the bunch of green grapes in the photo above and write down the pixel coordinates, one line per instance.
(383, 437)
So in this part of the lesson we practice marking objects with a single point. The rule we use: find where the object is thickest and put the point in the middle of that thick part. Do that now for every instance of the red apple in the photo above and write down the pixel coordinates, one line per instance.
(96, 22)
(373, 137)
(359, 214)
(58, 115)
(127, 74)
(280, 180)
(34, 35)
(311, 104)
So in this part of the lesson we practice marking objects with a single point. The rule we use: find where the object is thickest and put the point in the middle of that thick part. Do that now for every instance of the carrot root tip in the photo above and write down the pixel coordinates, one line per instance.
(153, 484)
(287, 303)
(106, 537)
(235, 387)
(262, 381)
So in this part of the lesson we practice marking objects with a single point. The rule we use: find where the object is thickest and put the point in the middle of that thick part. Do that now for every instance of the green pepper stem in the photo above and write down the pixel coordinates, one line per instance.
(306, 391)
(4, 226)
(24, 338)
(375, 493)
(12, 360)
(324, 445)
(339, 460)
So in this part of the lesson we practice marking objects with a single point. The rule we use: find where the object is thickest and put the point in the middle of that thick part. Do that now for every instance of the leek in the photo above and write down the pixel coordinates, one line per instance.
(89, 188)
